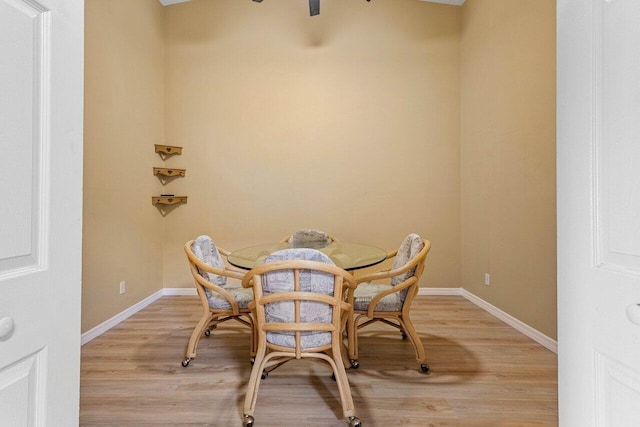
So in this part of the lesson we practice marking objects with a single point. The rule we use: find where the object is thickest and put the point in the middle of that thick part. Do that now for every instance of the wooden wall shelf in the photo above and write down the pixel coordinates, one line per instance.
(169, 172)
(165, 151)
(168, 200)
(166, 175)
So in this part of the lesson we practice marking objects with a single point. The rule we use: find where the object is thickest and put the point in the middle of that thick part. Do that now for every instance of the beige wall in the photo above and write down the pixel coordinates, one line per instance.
(347, 121)
(508, 157)
(124, 114)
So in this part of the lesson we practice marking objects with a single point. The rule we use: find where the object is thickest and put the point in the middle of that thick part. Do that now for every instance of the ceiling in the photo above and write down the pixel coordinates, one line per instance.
(451, 2)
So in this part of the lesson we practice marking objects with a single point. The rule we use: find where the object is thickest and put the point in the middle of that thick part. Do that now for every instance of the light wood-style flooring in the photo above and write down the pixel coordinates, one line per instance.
(483, 373)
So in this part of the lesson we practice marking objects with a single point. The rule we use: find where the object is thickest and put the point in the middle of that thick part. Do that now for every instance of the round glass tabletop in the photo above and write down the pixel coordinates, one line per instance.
(349, 256)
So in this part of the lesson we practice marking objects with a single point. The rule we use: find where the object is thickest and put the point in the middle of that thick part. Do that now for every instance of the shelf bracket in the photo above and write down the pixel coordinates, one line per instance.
(166, 151)
(166, 204)
(166, 175)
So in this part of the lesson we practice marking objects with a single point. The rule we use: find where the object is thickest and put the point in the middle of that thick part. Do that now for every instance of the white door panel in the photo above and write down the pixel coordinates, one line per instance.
(617, 103)
(598, 212)
(22, 389)
(41, 89)
(24, 79)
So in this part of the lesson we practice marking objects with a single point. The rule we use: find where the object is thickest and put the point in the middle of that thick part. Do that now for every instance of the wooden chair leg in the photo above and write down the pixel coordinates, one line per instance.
(254, 336)
(352, 332)
(254, 384)
(195, 338)
(407, 325)
(254, 339)
(343, 384)
(349, 327)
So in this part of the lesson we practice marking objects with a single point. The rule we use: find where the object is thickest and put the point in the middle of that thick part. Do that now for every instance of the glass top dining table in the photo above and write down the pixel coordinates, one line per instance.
(348, 256)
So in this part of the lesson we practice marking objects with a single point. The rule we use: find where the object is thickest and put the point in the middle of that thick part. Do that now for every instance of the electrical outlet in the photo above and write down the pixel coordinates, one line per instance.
(123, 287)
(487, 279)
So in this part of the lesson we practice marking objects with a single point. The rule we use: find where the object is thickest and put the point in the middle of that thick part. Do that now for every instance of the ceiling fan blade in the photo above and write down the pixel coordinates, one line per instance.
(314, 7)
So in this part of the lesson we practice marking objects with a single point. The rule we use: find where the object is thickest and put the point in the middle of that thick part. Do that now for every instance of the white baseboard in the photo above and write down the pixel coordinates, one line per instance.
(527, 330)
(440, 291)
(108, 324)
(179, 291)
(516, 324)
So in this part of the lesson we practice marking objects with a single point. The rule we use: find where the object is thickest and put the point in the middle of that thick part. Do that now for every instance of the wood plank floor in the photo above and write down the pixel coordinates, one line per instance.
(483, 373)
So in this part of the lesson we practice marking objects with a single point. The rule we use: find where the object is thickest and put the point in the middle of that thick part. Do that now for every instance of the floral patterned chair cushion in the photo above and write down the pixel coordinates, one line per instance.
(309, 238)
(243, 297)
(410, 247)
(205, 249)
(365, 292)
(311, 311)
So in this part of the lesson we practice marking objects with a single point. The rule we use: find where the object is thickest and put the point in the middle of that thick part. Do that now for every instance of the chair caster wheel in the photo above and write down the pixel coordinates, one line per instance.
(264, 375)
(207, 332)
(425, 368)
(186, 361)
(404, 336)
(252, 361)
(333, 377)
(354, 422)
(354, 363)
(248, 421)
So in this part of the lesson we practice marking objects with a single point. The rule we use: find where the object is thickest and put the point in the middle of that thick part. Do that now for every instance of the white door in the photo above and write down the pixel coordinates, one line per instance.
(41, 85)
(598, 141)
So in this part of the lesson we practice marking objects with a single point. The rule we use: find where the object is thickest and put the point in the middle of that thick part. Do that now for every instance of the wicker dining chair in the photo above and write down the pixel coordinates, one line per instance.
(220, 300)
(298, 307)
(390, 302)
